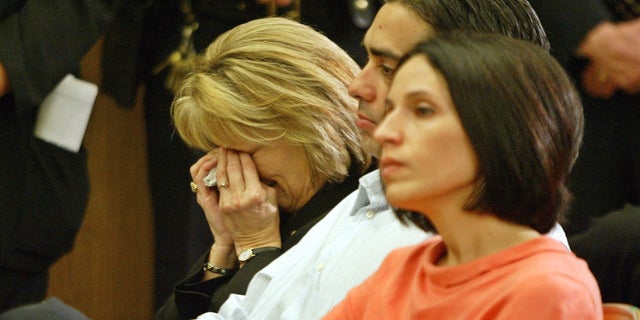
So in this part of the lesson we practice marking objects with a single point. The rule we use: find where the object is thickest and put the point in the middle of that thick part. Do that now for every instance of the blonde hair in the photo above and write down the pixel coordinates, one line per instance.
(274, 80)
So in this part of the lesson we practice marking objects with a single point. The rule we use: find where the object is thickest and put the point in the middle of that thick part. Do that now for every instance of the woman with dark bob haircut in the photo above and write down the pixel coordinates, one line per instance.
(481, 133)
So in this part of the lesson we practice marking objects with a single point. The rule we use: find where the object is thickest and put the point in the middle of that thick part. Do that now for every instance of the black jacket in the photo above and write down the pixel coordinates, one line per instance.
(43, 189)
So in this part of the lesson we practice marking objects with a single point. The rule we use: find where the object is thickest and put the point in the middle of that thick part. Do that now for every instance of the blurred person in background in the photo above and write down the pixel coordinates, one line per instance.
(44, 188)
(598, 43)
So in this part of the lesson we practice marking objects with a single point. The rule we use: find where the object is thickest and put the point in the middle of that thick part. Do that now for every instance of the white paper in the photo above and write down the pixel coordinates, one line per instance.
(64, 113)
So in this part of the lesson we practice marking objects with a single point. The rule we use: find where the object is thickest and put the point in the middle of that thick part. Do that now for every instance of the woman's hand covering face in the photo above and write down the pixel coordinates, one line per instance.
(242, 211)
(250, 208)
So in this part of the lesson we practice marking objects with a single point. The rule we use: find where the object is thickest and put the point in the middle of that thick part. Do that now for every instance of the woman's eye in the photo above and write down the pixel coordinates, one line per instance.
(422, 111)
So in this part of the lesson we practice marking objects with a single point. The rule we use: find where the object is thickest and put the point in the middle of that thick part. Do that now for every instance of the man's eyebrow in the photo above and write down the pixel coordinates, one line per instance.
(385, 54)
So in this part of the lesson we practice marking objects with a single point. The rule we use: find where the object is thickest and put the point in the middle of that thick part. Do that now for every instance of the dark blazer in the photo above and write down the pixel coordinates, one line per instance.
(566, 23)
(43, 188)
(146, 31)
(604, 177)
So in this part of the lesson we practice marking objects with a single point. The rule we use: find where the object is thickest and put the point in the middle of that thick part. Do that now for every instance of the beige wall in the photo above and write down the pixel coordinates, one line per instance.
(109, 273)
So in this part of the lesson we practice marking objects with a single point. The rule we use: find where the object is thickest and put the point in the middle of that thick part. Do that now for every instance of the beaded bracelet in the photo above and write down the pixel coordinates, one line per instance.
(225, 272)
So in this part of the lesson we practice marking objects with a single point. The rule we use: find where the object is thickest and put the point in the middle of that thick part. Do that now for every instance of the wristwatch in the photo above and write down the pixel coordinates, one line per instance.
(247, 254)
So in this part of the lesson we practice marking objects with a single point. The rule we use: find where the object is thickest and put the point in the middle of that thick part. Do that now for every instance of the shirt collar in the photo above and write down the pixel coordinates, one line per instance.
(370, 193)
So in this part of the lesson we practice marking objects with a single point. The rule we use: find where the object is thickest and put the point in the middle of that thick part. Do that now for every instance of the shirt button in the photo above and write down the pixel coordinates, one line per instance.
(370, 214)
(320, 266)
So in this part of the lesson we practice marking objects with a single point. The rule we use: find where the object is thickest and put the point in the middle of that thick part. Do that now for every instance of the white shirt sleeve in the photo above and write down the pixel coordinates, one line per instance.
(232, 309)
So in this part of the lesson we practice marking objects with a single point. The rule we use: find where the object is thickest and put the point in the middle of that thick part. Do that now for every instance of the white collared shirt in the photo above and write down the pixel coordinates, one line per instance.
(338, 253)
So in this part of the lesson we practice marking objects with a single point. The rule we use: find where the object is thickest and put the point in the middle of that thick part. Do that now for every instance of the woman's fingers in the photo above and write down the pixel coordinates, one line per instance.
(249, 172)
(247, 206)
(221, 175)
(193, 170)
(205, 196)
(235, 175)
(206, 162)
(244, 196)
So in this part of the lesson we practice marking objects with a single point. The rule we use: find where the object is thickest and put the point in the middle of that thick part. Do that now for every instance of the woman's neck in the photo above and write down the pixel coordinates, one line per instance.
(470, 236)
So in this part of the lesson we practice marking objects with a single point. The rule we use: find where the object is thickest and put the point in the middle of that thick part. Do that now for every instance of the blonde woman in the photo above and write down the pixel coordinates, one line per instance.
(269, 103)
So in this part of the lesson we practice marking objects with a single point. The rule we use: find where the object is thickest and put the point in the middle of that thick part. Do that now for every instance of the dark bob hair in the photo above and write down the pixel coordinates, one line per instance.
(523, 117)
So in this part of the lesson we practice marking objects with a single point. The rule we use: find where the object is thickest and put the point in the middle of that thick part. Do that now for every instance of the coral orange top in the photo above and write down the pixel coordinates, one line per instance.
(538, 279)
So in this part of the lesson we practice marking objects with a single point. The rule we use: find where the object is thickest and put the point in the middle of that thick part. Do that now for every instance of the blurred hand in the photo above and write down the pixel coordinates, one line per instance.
(614, 54)
(596, 82)
(250, 209)
(4, 81)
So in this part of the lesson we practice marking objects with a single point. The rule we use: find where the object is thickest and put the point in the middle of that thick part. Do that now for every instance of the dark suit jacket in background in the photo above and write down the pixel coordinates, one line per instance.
(43, 188)
(606, 175)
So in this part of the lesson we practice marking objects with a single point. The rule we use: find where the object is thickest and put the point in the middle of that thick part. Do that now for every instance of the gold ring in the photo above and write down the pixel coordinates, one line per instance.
(223, 185)
(194, 187)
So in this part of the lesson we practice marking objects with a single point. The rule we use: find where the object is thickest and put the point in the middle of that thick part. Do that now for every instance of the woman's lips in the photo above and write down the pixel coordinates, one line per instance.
(389, 167)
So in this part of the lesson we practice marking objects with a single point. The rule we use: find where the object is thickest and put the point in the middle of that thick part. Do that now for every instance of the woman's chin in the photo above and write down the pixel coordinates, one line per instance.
(396, 198)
